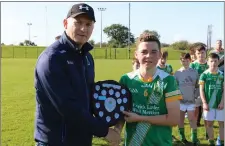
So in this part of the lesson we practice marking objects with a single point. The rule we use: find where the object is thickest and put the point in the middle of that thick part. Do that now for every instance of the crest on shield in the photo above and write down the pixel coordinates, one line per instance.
(108, 99)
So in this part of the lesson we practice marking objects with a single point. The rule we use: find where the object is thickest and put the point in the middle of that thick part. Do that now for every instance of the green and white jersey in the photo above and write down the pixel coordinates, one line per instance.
(213, 87)
(200, 68)
(149, 99)
(168, 69)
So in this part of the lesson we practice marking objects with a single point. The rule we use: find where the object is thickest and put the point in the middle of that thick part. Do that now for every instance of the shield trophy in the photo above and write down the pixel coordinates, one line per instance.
(108, 99)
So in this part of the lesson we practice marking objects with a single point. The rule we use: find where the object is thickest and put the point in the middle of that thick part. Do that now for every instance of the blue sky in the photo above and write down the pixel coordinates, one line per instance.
(173, 20)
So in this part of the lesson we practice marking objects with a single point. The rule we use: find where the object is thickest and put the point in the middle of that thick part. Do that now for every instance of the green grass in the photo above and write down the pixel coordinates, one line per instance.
(18, 98)
(98, 53)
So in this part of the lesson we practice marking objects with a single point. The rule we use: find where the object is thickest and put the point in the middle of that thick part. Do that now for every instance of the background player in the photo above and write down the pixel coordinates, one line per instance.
(187, 79)
(163, 65)
(211, 92)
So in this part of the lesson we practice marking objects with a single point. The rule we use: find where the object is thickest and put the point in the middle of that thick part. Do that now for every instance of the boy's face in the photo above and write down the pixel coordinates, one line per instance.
(185, 62)
(213, 63)
(201, 55)
(193, 57)
(162, 61)
(148, 54)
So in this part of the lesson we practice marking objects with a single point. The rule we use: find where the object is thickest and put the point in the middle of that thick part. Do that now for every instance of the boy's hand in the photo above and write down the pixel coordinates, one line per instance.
(131, 117)
(205, 106)
(221, 106)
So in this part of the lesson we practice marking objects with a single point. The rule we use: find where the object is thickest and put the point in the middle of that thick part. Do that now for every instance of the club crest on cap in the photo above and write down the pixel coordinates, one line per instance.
(82, 7)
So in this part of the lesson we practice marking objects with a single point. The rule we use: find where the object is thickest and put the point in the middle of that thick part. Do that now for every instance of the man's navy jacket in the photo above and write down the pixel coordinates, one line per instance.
(63, 78)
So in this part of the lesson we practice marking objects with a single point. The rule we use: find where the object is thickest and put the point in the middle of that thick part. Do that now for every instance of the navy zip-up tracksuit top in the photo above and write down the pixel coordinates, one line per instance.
(63, 79)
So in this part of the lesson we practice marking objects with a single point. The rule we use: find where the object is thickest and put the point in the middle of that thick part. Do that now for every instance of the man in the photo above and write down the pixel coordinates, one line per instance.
(155, 101)
(64, 75)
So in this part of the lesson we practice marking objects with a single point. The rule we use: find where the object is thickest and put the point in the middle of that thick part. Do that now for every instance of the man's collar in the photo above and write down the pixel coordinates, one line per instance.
(66, 40)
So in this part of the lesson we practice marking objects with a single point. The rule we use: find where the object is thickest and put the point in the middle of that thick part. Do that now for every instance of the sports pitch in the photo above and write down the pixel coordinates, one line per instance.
(18, 98)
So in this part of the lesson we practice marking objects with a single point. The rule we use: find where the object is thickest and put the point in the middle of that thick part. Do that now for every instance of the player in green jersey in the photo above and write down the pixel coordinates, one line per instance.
(155, 98)
(200, 65)
(211, 91)
(163, 65)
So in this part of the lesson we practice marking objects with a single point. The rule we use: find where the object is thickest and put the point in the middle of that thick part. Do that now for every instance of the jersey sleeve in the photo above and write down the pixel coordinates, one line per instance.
(171, 91)
(202, 79)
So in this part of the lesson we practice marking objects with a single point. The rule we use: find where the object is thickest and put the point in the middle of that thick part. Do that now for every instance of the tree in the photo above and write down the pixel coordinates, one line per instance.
(181, 45)
(118, 35)
(2, 44)
(154, 32)
(92, 42)
(21, 44)
(164, 45)
(197, 44)
(29, 43)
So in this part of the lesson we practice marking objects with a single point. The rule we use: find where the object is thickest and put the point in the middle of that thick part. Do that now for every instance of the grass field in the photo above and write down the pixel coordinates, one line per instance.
(18, 98)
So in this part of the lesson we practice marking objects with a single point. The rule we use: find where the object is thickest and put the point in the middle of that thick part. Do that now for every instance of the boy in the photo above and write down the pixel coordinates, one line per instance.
(192, 53)
(211, 92)
(187, 79)
(200, 65)
(162, 63)
(155, 98)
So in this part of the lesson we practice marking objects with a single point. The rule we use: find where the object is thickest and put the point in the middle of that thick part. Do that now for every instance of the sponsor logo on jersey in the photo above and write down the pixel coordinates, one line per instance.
(146, 86)
(133, 90)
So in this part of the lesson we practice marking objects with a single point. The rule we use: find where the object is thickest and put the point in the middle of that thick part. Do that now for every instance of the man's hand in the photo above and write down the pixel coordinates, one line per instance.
(113, 137)
(131, 117)
(205, 106)
(221, 106)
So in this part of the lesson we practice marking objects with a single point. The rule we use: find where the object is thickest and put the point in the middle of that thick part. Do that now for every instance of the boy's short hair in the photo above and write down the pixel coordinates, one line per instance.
(200, 48)
(148, 37)
(214, 56)
(164, 54)
(185, 56)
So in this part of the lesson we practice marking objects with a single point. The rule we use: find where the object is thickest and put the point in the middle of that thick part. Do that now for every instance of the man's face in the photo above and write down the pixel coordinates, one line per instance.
(148, 54)
(79, 29)
(218, 45)
(213, 63)
(200, 54)
(185, 62)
